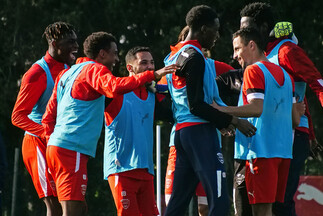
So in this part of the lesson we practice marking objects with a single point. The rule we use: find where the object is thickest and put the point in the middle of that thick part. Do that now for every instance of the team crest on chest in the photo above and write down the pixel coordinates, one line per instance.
(125, 203)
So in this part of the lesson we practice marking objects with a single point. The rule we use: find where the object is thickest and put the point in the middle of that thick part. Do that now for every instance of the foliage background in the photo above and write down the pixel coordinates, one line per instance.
(142, 22)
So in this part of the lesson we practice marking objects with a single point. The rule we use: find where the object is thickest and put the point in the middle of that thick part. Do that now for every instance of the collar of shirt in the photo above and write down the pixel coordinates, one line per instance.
(271, 45)
(51, 61)
(83, 59)
(141, 92)
(177, 47)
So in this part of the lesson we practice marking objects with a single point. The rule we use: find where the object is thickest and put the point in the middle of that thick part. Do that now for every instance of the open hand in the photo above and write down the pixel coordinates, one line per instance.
(166, 70)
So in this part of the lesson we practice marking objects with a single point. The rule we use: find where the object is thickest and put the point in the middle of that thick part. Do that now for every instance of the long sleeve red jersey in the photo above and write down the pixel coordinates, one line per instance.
(93, 81)
(33, 85)
(295, 61)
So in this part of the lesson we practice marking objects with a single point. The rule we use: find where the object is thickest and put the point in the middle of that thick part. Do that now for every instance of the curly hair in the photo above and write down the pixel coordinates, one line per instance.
(200, 15)
(260, 12)
(131, 54)
(57, 31)
(97, 41)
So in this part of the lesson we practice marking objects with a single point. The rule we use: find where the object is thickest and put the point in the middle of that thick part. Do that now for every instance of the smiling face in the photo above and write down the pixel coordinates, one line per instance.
(241, 52)
(143, 62)
(66, 48)
(110, 58)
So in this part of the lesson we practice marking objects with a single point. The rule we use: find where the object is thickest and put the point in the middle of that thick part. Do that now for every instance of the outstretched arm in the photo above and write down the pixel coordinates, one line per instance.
(253, 109)
(102, 80)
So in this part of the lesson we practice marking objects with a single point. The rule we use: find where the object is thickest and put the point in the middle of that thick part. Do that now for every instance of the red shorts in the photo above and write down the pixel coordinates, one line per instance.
(69, 172)
(170, 177)
(34, 157)
(133, 196)
(268, 182)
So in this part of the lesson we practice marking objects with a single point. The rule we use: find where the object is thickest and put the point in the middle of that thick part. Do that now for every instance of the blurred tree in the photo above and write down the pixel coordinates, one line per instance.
(151, 23)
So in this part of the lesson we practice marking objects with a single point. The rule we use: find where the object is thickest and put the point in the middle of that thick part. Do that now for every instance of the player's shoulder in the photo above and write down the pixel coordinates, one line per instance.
(189, 54)
(95, 68)
(251, 68)
(270, 64)
(253, 71)
(255, 68)
(34, 73)
(290, 48)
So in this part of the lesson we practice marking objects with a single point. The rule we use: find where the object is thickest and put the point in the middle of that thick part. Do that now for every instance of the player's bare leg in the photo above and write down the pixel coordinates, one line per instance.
(52, 205)
(262, 209)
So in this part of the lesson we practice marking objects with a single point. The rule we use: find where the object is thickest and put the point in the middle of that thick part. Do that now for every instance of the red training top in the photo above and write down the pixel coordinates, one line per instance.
(33, 85)
(295, 61)
(254, 80)
(93, 81)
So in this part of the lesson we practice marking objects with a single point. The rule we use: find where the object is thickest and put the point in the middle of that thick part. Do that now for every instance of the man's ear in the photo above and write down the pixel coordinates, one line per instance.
(203, 28)
(129, 68)
(252, 45)
(102, 53)
(53, 43)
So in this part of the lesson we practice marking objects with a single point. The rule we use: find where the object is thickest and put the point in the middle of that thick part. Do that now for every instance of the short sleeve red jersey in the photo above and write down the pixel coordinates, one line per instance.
(254, 80)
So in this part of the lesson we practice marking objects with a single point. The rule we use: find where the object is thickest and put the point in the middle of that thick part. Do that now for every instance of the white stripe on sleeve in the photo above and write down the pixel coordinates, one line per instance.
(255, 95)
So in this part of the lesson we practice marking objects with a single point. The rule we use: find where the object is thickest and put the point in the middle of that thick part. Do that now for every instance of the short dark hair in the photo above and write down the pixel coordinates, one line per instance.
(97, 41)
(131, 54)
(260, 12)
(248, 34)
(200, 15)
(57, 31)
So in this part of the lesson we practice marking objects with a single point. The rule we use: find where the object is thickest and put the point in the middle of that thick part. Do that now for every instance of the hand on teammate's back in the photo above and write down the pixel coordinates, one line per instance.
(166, 70)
